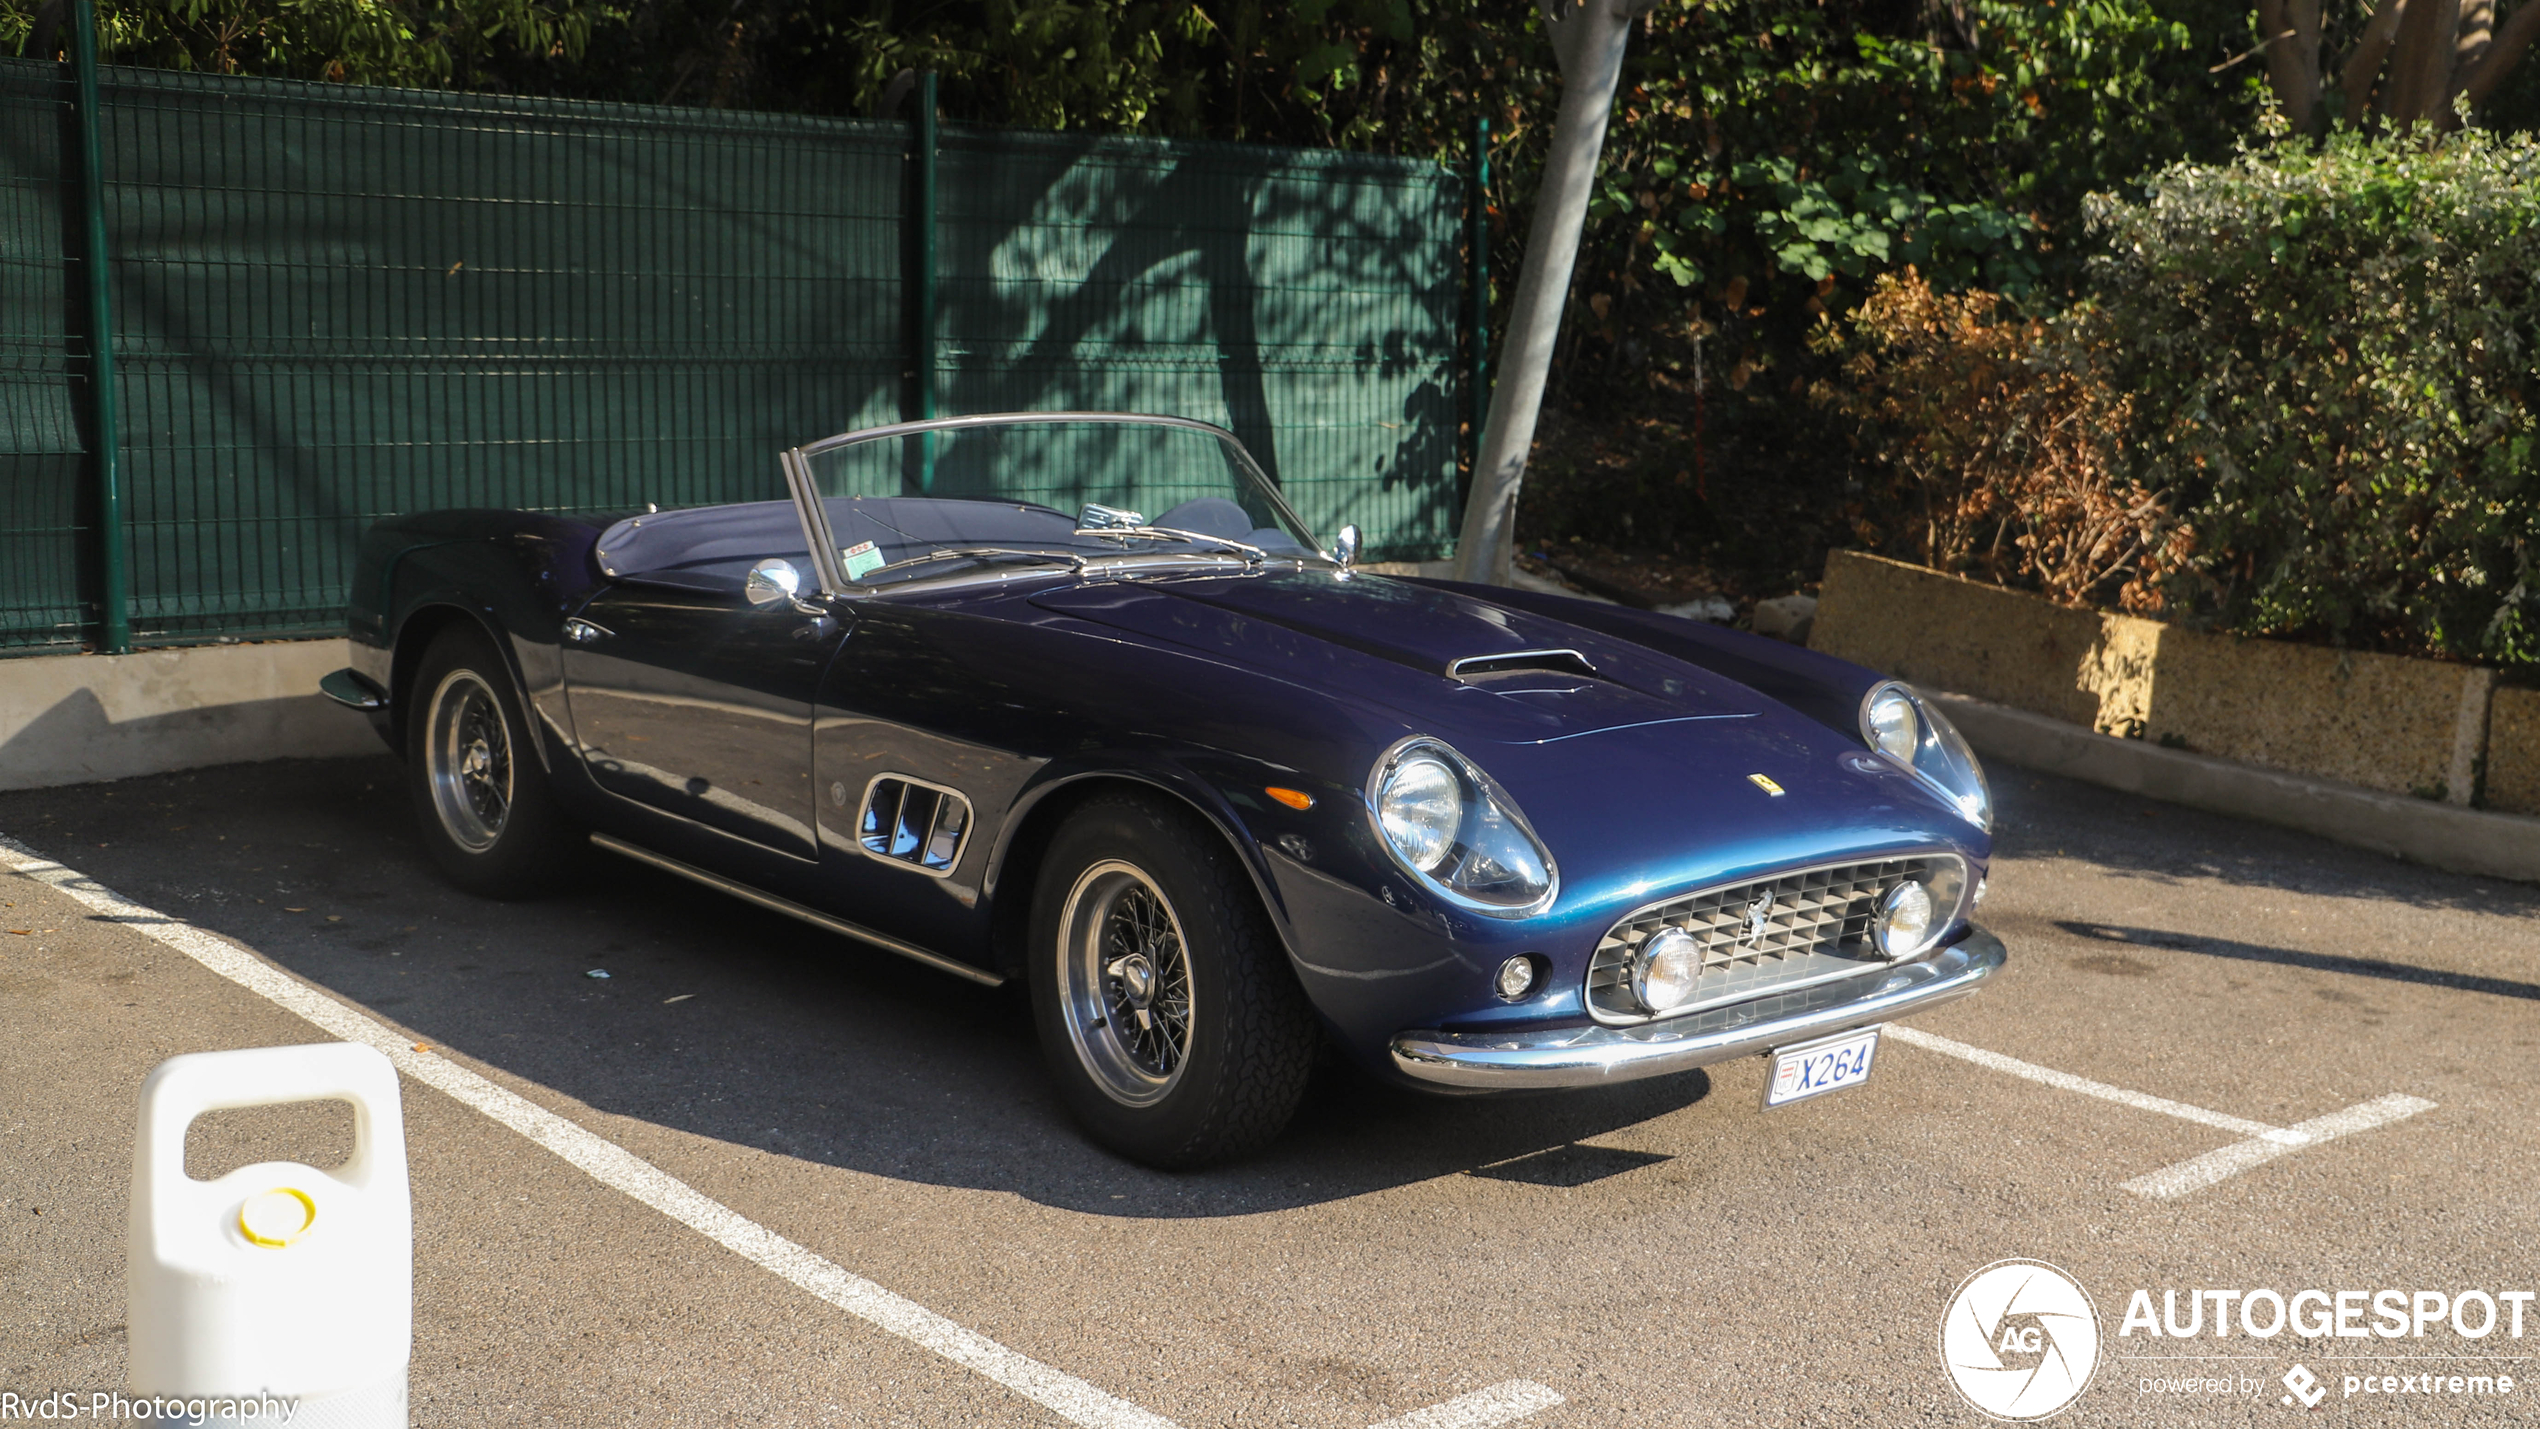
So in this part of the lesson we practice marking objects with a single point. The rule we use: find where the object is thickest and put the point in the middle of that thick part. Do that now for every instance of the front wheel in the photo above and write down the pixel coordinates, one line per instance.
(488, 817)
(1165, 1005)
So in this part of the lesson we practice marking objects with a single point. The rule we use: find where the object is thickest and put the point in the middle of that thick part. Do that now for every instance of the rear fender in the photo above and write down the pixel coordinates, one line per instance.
(518, 585)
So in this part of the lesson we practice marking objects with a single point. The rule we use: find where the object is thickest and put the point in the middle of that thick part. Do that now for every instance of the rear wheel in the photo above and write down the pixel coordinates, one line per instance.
(489, 818)
(1165, 1005)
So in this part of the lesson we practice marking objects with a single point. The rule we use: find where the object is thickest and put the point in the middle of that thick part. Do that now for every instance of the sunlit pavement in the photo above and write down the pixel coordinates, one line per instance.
(1660, 1253)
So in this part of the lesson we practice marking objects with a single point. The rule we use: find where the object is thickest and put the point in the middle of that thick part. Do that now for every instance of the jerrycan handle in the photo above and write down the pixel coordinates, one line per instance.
(182, 1088)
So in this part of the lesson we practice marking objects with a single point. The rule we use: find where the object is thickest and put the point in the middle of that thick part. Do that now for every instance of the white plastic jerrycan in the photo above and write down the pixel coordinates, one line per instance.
(277, 1282)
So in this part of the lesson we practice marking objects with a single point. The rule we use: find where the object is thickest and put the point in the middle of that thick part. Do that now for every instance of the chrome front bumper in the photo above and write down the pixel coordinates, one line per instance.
(1595, 1056)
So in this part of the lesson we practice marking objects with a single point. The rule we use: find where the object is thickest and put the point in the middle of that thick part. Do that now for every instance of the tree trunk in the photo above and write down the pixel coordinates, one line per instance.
(1589, 39)
(2421, 62)
(2293, 58)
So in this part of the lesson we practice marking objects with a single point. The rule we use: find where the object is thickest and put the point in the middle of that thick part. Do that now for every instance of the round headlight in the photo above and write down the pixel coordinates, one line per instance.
(1450, 825)
(1892, 726)
(1666, 968)
(1421, 806)
(1903, 923)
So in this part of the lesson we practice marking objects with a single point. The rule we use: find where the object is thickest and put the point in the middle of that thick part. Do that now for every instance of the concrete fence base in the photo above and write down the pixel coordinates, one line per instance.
(75, 719)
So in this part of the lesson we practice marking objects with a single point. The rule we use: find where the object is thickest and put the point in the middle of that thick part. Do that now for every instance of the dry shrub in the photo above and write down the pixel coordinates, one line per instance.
(1994, 448)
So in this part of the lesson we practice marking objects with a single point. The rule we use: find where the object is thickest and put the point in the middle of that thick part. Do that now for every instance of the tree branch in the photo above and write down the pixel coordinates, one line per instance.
(2512, 38)
(2364, 65)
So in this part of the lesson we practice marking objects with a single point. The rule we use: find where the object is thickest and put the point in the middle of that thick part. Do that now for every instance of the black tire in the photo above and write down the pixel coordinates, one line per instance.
(1247, 1036)
(488, 815)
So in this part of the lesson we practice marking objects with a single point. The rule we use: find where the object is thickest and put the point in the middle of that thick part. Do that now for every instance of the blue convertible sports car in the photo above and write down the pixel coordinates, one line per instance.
(1076, 699)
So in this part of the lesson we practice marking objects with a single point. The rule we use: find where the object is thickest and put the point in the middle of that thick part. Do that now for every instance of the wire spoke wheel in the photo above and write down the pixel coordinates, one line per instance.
(468, 760)
(1125, 975)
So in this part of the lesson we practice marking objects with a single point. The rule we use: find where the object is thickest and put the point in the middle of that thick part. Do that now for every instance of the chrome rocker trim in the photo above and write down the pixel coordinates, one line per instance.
(1597, 1056)
(791, 909)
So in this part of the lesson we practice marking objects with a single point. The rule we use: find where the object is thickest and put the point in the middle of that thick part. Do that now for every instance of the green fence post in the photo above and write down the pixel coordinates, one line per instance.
(1477, 296)
(925, 217)
(114, 636)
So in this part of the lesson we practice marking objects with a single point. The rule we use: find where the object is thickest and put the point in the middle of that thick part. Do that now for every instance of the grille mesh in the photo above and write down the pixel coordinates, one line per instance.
(1815, 927)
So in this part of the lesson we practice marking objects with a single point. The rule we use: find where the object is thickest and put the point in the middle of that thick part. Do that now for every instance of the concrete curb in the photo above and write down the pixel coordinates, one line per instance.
(2418, 830)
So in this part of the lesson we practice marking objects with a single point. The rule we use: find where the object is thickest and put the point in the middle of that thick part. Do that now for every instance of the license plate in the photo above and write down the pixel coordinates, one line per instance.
(1812, 1069)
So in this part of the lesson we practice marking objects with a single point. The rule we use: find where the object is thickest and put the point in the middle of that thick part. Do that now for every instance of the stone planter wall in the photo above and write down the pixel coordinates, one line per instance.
(2402, 726)
(2513, 752)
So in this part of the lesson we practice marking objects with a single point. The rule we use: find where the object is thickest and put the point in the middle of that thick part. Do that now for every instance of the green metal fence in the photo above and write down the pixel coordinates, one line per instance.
(331, 304)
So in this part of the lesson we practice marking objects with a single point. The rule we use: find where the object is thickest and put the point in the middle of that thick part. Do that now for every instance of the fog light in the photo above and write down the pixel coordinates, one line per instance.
(1516, 978)
(1903, 923)
(1665, 969)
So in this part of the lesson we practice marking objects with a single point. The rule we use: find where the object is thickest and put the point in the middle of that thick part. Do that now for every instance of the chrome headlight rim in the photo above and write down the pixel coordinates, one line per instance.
(1880, 695)
(1882, 922)
(1664, 944)
(1478, 783)
(1936, 740)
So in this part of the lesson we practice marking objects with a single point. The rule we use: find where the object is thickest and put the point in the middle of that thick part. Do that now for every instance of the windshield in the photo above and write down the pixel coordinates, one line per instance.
(925, 500)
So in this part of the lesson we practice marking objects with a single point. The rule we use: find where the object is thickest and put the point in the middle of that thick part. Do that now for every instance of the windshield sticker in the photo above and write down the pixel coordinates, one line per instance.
(862, 560)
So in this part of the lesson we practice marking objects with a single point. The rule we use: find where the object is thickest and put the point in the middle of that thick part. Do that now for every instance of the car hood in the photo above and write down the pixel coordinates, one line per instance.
(1650, 773)
(1438, 658)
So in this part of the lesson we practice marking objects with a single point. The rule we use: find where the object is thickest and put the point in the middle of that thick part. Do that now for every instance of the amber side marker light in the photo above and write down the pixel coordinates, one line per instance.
(1296, 799)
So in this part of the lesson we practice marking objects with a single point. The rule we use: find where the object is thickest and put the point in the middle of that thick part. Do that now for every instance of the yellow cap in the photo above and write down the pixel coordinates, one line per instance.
(277, 1217)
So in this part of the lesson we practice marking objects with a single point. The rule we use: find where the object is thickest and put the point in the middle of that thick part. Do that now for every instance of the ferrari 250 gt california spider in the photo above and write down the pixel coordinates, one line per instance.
(1076, 700)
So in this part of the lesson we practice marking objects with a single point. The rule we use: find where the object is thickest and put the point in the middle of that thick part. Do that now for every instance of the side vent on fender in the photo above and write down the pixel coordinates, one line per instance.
(915, 824)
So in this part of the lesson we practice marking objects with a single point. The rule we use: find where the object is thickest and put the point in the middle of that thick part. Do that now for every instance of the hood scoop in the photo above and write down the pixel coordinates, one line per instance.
(1555, 662)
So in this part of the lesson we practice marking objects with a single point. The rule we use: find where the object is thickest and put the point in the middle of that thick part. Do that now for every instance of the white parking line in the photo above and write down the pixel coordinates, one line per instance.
(1502, 1403)
(2264, 1143)
(2140, 1101)
(606, 1162)
(2171, 1182)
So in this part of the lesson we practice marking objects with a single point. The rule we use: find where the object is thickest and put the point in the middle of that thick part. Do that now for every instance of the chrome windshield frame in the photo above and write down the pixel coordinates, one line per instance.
(815, 514)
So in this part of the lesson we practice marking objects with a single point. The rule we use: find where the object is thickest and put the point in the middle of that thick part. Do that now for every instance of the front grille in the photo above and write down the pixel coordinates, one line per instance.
(1815, 927)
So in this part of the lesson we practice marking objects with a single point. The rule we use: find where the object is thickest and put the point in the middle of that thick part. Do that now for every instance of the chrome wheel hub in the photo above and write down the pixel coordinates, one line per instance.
(1136, 977)
(467, 760)
(1125, 982)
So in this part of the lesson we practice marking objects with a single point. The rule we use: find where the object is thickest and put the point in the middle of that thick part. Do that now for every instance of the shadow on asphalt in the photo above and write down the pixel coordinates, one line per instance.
(724, 1021)
(2128, 836)
(2293, 958)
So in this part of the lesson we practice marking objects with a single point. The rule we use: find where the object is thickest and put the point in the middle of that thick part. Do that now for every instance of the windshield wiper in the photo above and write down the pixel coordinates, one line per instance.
(1070, 559)
(1167, 533)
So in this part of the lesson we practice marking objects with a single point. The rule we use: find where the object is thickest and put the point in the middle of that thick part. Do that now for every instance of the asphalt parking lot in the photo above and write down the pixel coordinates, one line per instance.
(1660, 1253)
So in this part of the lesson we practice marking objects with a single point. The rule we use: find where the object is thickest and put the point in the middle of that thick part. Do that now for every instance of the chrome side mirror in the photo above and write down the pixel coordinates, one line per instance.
(773, 580)
(1345, 548)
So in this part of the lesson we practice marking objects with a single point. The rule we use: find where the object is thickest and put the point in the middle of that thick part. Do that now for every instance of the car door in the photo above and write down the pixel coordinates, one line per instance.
(930, 723)
(697, 703)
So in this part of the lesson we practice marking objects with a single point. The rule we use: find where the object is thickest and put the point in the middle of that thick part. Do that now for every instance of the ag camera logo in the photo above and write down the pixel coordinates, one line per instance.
(2020, 1340)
